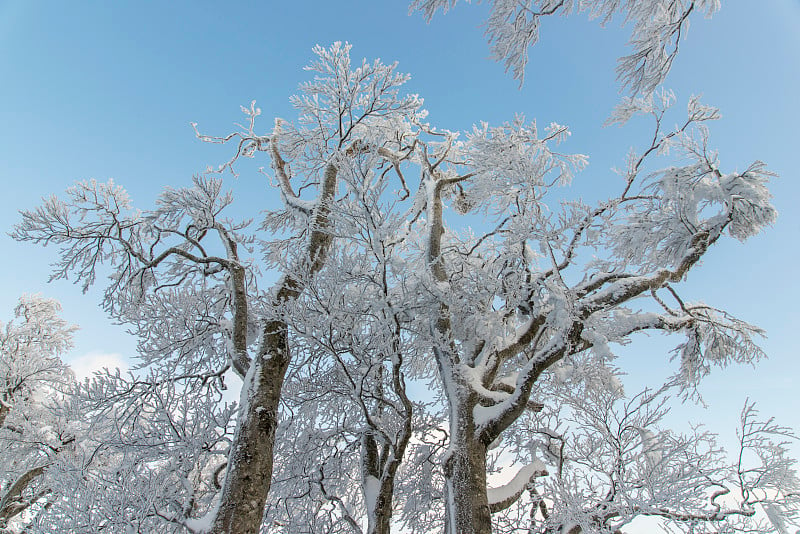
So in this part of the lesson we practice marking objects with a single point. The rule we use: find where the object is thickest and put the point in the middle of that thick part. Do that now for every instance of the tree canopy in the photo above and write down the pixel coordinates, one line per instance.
(438, 349)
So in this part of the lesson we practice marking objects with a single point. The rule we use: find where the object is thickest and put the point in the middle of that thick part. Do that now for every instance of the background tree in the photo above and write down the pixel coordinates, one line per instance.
(610, 461)
(32, 377)
(148, 455)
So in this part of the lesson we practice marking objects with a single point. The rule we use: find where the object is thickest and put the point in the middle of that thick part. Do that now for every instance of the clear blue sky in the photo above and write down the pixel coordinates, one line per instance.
(108, 89)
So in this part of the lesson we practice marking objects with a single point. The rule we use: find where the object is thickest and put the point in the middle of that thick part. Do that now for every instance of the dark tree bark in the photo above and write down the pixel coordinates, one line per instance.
(250, 461)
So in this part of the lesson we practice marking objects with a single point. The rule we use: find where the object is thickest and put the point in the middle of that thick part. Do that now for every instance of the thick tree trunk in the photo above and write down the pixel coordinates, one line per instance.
(466, 501)
(249, 474)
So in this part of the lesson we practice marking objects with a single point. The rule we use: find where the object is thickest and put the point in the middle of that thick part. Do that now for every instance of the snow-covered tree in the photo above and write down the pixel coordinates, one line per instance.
(458, 260)
(352, 329)
(195, 303)
(147, 455)
(610, 461)
(31, 376)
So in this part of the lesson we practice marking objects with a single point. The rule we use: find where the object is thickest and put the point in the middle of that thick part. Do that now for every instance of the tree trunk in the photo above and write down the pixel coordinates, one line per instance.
(378, 478)
(383, 465)
(12, 504)
(466, 502)
(467, 506)
(249, 474)
(380, 518)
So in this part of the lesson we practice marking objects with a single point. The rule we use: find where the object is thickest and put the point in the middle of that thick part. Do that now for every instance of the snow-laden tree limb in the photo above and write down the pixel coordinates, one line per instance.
(657, 27)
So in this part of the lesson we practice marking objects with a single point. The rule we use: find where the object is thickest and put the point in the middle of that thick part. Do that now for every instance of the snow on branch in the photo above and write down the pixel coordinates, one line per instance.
(657, 27)
(504, 496)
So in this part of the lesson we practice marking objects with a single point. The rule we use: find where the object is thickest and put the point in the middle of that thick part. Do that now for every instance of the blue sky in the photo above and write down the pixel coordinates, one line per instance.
(108, 89)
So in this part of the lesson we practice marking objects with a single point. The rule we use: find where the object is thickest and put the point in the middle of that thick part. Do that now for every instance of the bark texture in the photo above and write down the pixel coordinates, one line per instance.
(249, 474)
(12, 504)
(248, 479)
(466, 502)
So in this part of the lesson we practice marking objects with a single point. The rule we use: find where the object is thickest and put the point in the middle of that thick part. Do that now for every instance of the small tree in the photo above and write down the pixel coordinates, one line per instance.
(31, 375)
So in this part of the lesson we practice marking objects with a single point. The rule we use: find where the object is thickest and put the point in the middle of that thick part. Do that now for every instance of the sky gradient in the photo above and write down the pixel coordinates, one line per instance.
(108, 90)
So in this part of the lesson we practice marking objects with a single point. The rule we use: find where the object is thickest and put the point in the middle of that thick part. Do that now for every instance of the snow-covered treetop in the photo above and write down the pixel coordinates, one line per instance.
(30, 350)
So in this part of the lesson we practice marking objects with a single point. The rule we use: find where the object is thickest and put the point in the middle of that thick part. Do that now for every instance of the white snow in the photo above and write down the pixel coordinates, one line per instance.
(474, 378)
(516, 485)
(563, 371)
(650, 447)
(203, 524)
(509, 379)
(484, 414)
(372, 487)
(775, 516)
